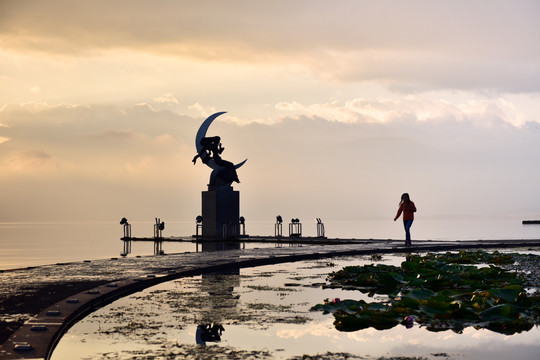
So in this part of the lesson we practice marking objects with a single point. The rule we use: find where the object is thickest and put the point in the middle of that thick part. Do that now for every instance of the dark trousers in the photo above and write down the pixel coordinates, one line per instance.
(407, 225)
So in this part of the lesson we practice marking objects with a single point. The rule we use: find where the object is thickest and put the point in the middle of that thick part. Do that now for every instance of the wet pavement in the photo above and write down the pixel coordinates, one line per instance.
(38, 304)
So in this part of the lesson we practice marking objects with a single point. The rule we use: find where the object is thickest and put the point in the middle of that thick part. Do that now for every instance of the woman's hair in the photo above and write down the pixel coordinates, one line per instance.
(405, 198)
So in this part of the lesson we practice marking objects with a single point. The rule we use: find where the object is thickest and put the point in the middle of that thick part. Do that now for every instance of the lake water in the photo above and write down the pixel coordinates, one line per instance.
(32, 244)
(265, 314)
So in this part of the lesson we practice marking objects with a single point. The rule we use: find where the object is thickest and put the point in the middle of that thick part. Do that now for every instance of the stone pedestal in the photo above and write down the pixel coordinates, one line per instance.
(220, 213)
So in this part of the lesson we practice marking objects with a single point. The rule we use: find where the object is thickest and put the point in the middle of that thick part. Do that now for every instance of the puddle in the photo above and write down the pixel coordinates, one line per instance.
(264, 313)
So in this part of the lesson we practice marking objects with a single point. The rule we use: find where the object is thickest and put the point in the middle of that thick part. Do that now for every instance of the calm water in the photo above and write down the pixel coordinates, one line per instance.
(267, 309)
(30, 244)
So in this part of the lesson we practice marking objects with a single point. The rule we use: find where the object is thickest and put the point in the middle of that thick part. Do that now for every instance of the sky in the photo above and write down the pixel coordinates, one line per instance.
(339, 107)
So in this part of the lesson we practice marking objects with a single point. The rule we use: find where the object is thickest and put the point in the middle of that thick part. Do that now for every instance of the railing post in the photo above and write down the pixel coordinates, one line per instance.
(295, 228)
(242, 222)
(199, 225)
(159, 226)
(278, 227)
(126, 227)
(320, 228)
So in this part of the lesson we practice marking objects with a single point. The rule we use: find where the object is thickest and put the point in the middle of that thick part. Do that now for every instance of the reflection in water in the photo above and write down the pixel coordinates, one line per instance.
(219, 245)
(208, 333)
(220, 288)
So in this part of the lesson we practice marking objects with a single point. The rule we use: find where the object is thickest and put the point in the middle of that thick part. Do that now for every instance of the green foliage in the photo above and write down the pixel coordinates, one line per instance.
(438, 291)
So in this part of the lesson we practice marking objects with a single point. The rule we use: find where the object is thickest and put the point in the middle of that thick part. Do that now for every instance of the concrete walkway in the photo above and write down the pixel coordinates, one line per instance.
(38, 336)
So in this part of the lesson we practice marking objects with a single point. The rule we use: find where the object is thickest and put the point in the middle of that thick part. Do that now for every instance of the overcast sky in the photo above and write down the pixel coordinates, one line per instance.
(339, 106)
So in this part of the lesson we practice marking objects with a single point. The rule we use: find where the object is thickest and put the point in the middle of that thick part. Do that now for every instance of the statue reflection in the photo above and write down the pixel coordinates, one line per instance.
(208, 333)
(207, 246)
(220, 306)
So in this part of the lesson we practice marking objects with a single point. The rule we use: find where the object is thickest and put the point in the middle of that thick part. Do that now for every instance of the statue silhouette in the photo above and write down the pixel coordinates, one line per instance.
(224, 173)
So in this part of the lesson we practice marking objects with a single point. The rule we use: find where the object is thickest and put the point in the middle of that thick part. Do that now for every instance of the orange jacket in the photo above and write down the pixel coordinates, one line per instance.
(408, 210)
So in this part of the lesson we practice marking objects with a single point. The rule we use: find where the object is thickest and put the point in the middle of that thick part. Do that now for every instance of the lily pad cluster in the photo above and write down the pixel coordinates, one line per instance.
(439, 291)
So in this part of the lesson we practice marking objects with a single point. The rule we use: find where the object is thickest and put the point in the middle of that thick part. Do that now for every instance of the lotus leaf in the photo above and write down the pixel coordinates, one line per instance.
(421, 294)
(508, 294)
(380, 320)
(500, 313)
(408, 302)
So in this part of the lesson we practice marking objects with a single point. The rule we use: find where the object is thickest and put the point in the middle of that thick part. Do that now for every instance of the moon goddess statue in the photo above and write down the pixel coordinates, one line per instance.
(209, 150)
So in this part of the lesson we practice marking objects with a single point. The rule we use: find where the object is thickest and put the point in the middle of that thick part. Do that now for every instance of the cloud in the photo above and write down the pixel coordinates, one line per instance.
(316, 24)
(480, 111)
(410, 70)
(416, 46)
(166, 139)
(166, 99)
(320, 329)
(140, 165)
(115, 135)
(93, 140)
(203, 110)
(33, 161)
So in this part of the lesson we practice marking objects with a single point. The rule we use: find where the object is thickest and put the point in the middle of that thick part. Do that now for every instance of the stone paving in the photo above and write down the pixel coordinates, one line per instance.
(101, 281)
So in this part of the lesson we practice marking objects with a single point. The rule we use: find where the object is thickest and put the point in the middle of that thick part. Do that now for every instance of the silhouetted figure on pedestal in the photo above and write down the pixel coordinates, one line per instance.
(224, 173)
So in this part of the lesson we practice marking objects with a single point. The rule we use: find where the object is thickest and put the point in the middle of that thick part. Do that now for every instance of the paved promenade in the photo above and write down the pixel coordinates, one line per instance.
(52, 298)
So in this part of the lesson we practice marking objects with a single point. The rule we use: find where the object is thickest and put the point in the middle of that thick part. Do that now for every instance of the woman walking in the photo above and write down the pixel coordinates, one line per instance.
(407, 207)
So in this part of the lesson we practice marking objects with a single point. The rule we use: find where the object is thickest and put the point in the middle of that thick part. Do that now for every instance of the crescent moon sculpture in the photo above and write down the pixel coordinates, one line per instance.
(222, 173)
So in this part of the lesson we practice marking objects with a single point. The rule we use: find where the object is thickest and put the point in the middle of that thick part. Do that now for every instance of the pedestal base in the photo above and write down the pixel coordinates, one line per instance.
(220, 213)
